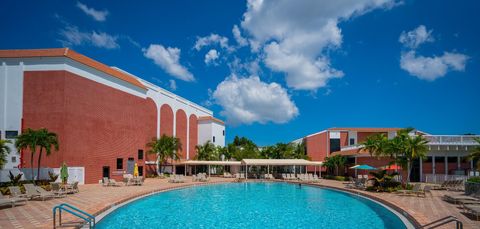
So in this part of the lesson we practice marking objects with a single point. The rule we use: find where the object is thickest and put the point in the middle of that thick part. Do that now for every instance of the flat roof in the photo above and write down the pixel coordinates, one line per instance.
(280, 162)
(193, 162)
(366, 129)
(68, 53)
(211, 118)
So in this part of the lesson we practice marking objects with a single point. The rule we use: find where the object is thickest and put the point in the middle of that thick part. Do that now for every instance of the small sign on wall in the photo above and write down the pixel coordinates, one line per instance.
(334, 134)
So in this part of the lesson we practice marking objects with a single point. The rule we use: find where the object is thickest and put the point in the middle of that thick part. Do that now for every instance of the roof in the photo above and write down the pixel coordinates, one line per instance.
(280, 162)
(66, 52)
(210, 118)
(351, 152)
(366, 129)
(191, 162)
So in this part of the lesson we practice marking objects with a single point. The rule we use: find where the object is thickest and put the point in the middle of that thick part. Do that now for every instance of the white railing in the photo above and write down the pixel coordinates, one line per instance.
(356, 146)
(452, 139)
(440, 178)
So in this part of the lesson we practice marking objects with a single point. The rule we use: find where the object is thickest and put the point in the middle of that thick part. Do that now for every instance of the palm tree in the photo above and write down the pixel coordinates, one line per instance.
(375, 145)
(45, 140)
(28, 140)
(207, 152)
(415, 147)
(403, 148)
(165, 147)
(335, 162)
(475, 153)
(4, 151)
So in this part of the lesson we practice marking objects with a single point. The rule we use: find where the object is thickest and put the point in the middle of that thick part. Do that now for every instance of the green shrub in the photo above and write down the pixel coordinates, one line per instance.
(474, 179)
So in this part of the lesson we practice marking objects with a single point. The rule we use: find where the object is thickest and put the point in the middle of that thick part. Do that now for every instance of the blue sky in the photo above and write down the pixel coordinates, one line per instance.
(279, 70)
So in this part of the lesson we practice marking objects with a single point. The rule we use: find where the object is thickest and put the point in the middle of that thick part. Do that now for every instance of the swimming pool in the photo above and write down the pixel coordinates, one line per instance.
(252, 205)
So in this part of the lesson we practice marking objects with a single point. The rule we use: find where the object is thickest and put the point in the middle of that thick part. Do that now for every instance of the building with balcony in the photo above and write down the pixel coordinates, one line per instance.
(446, 158)
(104, 116)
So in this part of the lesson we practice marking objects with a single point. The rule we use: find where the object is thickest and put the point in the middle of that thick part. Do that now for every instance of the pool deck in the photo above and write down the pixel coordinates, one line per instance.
(95, 198)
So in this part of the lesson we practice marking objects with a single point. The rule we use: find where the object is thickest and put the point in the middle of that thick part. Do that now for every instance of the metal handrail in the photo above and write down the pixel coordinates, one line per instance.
(88, 218)
(443, 221)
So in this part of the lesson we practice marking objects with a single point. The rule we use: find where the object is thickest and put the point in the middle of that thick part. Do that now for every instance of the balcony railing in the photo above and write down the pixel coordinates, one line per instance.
(452, 139)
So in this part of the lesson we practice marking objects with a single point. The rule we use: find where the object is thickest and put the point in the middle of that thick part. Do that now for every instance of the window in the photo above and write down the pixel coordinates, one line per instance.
(223, 132)
(140, 154)
(213, 138)
(119, 163)
(452, 159)
(10, 134)
(14, 159)
(428, 160)
(352, 141)
(439, 159)
(334, 145)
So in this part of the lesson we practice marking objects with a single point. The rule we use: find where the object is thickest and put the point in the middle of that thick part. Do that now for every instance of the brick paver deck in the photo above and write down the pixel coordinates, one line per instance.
(95, 199)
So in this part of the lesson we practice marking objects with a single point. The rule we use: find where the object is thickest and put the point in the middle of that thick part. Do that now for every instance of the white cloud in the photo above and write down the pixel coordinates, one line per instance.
(173, 85)
(302, 31)
(427, 68)
(238, 36)
(249, 100)
(211, 56)
(431, 68)
(301, 72)
(212, 39)
(98, 15)
(169, 60)
(71, 36)
(413, 39)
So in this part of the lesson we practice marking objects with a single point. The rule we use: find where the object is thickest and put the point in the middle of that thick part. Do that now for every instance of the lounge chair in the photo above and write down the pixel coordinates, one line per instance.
(12, 200)
(16, 192)
(34, 192)
(415, 190)
(44, 194)
(457, 198)
(473, 209)
(423, 192)
(57, 190)
(105, 181)
(113, 182)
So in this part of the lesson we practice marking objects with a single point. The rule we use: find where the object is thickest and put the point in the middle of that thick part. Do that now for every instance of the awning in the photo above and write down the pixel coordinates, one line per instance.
(192, 162)
(280, 162)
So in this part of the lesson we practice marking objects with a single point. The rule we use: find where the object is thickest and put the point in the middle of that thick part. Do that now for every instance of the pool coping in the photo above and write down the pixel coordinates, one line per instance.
(99, 215)
(404, 216)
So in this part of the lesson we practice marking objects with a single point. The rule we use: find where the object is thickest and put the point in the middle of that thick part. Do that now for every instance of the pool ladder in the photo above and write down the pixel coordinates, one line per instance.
(443, 221)
(88, 220)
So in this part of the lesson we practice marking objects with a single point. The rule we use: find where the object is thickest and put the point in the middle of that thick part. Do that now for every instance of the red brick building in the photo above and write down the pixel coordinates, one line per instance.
(446, 157)
(103, 116)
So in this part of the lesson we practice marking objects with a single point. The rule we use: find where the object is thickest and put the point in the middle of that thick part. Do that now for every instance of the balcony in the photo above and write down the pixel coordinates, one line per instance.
(463, 140)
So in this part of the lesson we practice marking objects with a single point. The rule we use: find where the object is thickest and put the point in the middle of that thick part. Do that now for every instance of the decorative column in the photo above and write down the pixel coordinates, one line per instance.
(421, 170)
(446, 167)
(433, 169)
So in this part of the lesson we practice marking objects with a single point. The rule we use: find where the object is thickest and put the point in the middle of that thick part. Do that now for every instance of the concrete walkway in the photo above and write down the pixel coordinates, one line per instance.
(95, 199)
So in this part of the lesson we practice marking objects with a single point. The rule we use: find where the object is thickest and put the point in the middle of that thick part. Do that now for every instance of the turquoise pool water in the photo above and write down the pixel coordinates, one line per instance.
(252, 205)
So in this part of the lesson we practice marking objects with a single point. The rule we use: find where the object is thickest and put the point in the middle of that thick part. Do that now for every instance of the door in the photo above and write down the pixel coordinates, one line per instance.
(140, 171)
(106, 171)
(130, 165)
(415, 172)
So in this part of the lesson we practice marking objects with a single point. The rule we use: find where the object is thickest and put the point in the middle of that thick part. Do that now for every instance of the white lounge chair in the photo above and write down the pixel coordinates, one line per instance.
(12, 200)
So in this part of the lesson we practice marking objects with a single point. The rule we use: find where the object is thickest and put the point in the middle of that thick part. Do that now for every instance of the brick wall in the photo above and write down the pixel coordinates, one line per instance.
(96, 124)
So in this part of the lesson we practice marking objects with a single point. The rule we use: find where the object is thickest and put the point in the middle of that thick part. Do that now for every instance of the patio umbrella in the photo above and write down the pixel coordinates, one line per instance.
(365, 167)
(354, 167)
(135, 170)
(391, 167)
(64, 173)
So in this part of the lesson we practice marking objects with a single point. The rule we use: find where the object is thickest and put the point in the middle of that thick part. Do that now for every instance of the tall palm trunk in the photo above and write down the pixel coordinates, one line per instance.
(408, 171)
(39, 159)
(31, 165)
